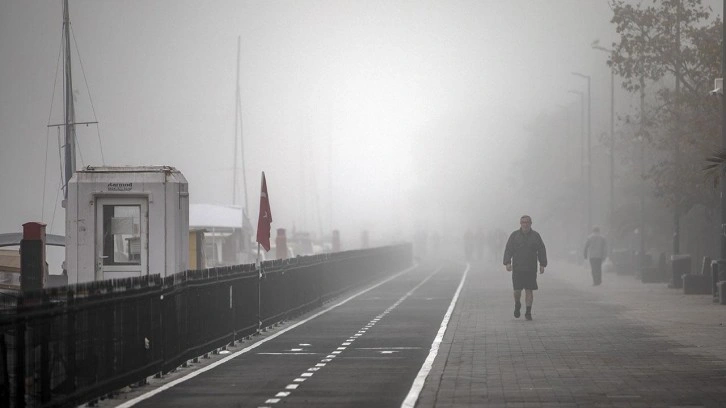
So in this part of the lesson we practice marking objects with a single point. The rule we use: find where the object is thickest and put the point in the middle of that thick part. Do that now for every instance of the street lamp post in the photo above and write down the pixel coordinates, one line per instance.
(612, 131)
(723, 145)
(582, 153)
(582, 131)
(589, 149)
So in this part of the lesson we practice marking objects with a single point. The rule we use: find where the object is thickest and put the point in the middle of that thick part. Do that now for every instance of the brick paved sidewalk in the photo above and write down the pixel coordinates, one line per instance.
(624, 343)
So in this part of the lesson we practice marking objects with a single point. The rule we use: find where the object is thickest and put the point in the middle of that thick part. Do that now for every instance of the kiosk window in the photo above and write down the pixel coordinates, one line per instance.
(121, 235)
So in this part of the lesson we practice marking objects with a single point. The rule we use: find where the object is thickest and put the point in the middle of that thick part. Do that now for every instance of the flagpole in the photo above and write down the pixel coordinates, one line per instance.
(259, 290)
(263, 239)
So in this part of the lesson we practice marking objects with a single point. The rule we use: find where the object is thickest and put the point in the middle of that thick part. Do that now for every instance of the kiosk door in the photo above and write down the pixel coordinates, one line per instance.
(122, 235)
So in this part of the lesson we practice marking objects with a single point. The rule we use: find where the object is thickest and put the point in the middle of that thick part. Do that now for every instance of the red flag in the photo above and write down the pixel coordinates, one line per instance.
(263, 223)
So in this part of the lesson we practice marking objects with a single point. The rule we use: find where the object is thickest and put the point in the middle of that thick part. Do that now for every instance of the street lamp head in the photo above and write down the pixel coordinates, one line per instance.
(581, 75)
(596, 46)
(717, 87)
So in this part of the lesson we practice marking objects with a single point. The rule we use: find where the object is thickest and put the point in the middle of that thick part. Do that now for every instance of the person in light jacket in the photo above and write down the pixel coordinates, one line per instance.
(524, 250)
(596, 249)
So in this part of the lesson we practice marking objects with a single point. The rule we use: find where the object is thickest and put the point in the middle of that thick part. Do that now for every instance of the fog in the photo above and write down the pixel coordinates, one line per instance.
(388, 116)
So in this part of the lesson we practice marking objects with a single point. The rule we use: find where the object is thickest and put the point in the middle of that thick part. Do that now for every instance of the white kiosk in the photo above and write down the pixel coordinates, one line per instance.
(126, 221)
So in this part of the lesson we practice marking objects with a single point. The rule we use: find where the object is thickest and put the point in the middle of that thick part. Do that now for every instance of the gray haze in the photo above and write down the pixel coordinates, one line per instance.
(390, 116)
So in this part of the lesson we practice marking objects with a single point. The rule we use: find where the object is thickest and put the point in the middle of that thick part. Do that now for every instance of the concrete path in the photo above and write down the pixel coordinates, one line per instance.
(623, 343)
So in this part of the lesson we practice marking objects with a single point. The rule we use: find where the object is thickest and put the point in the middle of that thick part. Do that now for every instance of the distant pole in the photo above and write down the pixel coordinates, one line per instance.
(723, 143)
(236, 131)
(589, 155)
(676, 139)
(589, 148)
(642, 169)
(582, 150)
(596, 46)
(612, 146)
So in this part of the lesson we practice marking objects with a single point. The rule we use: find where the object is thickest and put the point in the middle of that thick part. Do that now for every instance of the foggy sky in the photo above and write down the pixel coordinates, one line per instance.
(383, 115)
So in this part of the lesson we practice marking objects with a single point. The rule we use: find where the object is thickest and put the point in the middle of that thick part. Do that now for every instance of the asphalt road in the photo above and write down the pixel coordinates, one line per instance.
(364, 349)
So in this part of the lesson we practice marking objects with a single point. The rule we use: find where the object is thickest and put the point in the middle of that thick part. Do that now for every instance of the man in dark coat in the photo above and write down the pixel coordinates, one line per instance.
(524, 249)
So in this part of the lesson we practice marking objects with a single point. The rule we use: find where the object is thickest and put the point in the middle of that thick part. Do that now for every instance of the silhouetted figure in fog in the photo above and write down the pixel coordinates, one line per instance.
(499, 238)
(596, 249)
(524, 249)
(468, 245)
(435, 243)
(480, 244)
(420, 244)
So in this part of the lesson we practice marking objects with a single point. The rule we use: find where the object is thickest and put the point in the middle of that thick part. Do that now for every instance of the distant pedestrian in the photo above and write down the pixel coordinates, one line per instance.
(523, 250)
(468, 245)
(481, 243)
(596, 249)
(435, 243)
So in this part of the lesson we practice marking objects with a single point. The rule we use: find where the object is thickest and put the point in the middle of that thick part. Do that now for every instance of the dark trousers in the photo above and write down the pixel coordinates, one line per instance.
(596, 268)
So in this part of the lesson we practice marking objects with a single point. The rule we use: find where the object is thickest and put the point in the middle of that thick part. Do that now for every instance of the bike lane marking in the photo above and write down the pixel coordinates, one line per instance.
(329, 358)
(418, 383)
(193, 374)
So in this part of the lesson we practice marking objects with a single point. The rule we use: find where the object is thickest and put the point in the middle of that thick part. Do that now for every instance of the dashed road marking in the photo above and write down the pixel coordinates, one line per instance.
(286, 354)
(338, 350)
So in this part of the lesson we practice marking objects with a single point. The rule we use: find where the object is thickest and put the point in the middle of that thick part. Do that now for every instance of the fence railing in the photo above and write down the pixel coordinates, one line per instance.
(65, 346)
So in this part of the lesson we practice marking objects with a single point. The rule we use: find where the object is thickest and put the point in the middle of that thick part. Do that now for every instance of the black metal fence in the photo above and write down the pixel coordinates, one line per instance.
(65, 346)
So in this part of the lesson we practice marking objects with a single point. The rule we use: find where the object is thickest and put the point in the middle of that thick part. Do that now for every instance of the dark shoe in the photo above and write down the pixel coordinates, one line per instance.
(517, 306)
(528, 316)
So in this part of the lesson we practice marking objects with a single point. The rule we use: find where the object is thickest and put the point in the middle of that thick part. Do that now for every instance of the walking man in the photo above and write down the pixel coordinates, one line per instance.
(524, 249)
(596, 248)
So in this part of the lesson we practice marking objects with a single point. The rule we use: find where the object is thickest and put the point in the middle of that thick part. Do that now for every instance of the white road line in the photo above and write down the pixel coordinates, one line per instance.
(286, 354)
(340, 349)
(418, 383)
(142, 397)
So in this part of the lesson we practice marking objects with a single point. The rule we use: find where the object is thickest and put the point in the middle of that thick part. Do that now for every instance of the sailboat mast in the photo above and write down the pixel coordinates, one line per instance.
(238, 114)
(69, 112)
(236, 132)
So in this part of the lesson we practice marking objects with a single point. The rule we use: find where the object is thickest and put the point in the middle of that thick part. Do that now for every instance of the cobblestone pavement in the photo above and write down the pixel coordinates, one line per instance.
(624, 343)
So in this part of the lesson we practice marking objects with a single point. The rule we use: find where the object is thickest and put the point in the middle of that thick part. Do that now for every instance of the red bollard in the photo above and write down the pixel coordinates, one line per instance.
(364, 239)
(33, 269)
(336, 241)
